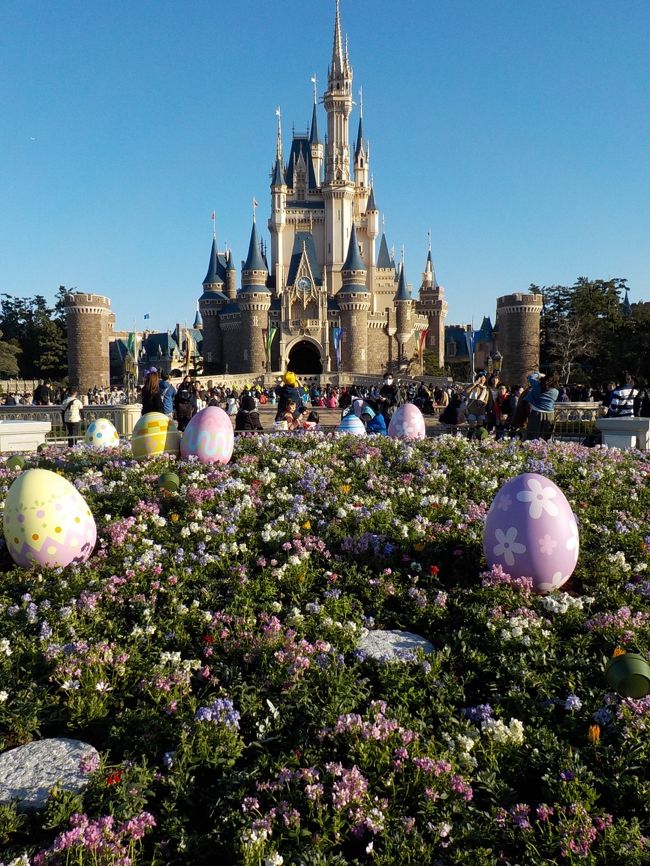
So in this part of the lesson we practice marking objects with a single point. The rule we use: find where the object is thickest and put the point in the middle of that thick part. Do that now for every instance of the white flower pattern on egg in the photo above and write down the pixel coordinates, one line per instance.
(508, 545)
(539, 498)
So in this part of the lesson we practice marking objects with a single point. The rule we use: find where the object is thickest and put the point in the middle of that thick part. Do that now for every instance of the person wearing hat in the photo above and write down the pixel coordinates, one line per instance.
(287, 391)
(248, 418)
(374, 422)
(477, 399)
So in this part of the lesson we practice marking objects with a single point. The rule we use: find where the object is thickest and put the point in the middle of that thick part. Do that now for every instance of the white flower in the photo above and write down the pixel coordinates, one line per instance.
(444, 830)
(507, 545)
(3, 697)
(274, 860)
(102, 686)
(539, 498)
(5, 647)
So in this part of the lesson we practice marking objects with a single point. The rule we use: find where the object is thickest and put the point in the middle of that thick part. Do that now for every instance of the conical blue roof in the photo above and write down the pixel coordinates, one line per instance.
(383, 259)
(371, 206)
(361, 144)
(231, 265)
(278, 173)
(313, 135)
(254, 260)
(212, 275)
(353, 262)
(403, 293)
(198, 320)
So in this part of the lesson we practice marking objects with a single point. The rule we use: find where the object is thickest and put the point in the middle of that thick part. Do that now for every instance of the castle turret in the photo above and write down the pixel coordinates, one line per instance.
(231, 279)
(315, 145)
(354, 302)
(404, 315)
(518, 327)
(361, 155)
(338, 188)
(433, 305)
(278, 219)
(89, 322)
(254, 304)
(211, 302)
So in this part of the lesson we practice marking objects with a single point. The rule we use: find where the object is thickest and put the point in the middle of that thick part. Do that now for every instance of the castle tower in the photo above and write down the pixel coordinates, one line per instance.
(361, 154)
(434, 306)
(518, 325)
(354, 302)
(89, 321)
(338, 188)
(254, 304)
(314, 142)
(211, 303)
(231, 279)
(404, 316)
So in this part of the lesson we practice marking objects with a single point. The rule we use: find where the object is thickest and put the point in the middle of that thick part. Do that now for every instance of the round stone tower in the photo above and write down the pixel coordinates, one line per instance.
(518, 341)
(354, 302)
(90, 323)
(254, 302)
(211, 302)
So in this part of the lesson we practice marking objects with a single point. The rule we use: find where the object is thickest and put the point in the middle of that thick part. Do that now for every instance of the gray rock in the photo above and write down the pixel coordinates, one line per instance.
(29, 772)
(393, 645)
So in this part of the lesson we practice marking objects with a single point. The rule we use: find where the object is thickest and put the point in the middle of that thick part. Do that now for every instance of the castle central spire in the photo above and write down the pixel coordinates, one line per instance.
(338, 59)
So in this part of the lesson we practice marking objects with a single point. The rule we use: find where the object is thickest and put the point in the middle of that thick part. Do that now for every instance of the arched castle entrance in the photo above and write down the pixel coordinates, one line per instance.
(304, 357)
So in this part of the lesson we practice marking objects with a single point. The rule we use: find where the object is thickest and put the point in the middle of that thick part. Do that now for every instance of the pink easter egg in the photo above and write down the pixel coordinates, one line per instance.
(407, 423)
(530, 531)
(357, 406)
(209, 436)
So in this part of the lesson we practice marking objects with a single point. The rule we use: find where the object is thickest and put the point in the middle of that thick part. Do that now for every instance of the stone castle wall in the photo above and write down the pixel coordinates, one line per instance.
(518, 325)
(89, 321)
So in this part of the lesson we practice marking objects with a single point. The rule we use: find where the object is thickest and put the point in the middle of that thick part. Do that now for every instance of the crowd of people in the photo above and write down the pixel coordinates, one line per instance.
(486, 406)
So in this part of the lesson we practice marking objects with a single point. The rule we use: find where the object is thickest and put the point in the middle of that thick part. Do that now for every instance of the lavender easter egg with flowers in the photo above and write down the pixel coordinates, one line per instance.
(530, 531)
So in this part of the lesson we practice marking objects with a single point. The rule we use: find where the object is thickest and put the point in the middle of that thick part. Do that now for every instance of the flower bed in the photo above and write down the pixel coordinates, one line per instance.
(209, 650)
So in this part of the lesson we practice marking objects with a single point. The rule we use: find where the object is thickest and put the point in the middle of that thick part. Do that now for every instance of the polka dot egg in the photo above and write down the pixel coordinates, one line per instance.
(101, 433)
(530, 531)
(47, 521)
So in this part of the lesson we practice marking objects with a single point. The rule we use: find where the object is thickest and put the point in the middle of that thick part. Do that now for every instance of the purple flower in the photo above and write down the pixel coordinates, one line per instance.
(572, 703)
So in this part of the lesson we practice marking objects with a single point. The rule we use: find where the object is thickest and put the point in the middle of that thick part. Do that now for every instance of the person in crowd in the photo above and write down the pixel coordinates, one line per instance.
(374, 422)
(184, 405)
(168, 393)
(623, 396)
(477, 399)
(312, 421)
(289, 392)
(453, 413)
(542, 397)
(151, 399)
(501, 410)
(248, 418)
(71, 410)
(389, 397)
(289, 420)
(42, 395)
(642, 400)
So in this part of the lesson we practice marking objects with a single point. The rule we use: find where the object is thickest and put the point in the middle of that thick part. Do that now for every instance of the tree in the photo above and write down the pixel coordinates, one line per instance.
(568, 343)
(8, 358)
(40, 333)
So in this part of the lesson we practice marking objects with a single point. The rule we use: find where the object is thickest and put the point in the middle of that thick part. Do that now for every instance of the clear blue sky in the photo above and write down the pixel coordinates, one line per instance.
(517, 130)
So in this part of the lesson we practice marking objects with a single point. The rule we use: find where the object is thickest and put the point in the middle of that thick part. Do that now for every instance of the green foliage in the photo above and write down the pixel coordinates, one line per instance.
(8, 358)
(585, 334)
(38, 333)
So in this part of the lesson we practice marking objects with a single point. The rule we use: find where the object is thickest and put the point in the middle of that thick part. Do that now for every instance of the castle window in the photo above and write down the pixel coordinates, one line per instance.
(245, 354)
(451, 350)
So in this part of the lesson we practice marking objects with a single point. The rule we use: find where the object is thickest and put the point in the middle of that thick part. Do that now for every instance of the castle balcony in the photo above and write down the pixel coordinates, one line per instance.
(302, 326)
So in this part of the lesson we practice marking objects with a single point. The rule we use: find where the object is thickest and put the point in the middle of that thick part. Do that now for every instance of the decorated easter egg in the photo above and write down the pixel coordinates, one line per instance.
(101, 433)
(530, 531)
(47, 521)
(169, 481)
(352, 425)
(209, 436)
(407, 423)
(15, 462)
(154, 434)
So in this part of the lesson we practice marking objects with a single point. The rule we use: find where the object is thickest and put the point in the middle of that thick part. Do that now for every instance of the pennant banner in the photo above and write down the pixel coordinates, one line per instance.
(423, 337)
(269, 336)
(337, 336)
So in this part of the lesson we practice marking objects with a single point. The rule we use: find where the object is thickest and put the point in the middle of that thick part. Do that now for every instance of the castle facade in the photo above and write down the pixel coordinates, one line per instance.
(331, 298)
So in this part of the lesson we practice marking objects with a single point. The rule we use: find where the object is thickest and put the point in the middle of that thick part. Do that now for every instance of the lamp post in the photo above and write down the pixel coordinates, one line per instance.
(497, 360)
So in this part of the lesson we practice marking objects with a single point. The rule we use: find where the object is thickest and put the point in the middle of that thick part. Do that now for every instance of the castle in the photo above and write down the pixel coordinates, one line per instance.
(332, 298)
